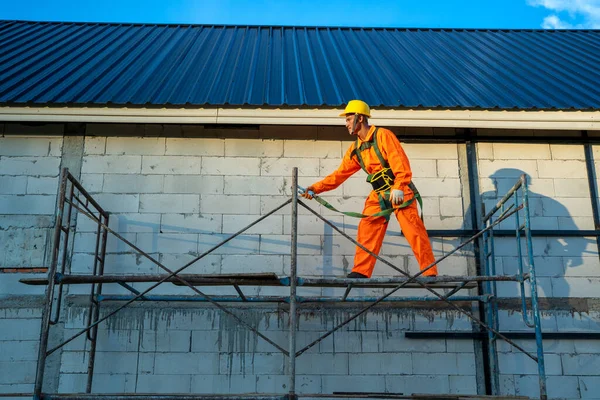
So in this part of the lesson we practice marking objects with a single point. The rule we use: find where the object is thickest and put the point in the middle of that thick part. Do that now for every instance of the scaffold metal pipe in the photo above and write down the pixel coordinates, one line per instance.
(503, 200)
(174, 274)
(286, 299)
(47, 313)
(142, 396)
(293, 282)
(436, 282)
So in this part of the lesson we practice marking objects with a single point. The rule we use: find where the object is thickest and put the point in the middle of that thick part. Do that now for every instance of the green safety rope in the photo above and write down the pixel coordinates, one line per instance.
(385, 212)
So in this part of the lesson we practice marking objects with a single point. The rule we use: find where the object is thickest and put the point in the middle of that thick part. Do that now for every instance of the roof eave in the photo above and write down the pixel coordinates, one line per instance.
(496, 119)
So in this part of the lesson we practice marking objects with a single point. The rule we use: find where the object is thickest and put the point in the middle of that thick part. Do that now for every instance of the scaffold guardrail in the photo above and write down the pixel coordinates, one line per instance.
(73, 197)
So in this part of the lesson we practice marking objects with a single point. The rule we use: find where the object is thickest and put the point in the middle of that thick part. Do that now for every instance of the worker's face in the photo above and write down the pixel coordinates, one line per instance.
(350, 122)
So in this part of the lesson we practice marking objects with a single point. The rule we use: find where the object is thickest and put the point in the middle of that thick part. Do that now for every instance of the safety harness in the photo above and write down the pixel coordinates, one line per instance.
(381, 181)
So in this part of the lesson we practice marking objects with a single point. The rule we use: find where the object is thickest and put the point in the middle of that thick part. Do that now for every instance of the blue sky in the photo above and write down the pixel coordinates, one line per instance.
(368, 13)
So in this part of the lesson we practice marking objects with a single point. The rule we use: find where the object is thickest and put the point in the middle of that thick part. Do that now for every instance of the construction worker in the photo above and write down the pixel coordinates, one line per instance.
(392, 186)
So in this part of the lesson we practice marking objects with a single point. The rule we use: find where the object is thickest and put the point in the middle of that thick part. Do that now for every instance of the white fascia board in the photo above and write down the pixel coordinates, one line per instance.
(109, 115)
(565, 120)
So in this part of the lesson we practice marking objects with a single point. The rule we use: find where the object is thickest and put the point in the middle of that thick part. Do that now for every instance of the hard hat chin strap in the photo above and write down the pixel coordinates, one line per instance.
(354, 123)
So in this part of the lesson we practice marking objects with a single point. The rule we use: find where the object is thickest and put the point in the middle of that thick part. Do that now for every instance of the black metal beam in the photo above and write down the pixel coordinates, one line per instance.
(510, 335)
(338, 395)
(473, 174)
(591, 174)
(511, 233)
(471, 135)
(139, 396)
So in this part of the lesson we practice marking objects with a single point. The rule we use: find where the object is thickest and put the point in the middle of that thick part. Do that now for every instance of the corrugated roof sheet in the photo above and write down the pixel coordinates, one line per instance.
(195, 65)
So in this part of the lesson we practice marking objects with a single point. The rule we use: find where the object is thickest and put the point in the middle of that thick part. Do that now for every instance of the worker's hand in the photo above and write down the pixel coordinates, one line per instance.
(397, 197)
(308, 192)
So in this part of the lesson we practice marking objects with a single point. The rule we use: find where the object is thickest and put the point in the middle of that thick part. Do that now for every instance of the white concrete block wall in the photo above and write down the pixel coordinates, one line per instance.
(19, 344)
(436, 175)
(176, 198)
(200, 350)
(571, 365)
(29, 170)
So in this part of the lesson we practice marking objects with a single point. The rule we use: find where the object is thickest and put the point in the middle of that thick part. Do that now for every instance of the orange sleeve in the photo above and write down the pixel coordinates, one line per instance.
(346, 169)
(396, 157)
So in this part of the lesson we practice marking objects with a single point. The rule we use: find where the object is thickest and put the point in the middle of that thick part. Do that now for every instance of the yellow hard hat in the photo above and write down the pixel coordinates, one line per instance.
(357, 107)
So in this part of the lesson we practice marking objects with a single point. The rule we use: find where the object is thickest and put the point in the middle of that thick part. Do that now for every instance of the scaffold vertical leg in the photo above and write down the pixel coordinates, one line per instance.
(491, 310)
(534, 294)
(293, 281)
(46, 315)
(96, 291)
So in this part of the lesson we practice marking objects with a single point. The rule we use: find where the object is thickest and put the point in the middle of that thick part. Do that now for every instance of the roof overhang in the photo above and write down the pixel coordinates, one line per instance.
(561, 120)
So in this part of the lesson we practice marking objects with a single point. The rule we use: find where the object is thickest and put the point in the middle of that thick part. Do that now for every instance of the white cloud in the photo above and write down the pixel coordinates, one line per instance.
(589, 10)
(553, 22)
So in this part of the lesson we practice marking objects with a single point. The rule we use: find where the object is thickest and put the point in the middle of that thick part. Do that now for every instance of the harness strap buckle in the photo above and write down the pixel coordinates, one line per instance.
(381, 180)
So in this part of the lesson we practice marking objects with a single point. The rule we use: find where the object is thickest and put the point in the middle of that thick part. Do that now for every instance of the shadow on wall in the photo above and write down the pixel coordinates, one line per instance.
(553, 255)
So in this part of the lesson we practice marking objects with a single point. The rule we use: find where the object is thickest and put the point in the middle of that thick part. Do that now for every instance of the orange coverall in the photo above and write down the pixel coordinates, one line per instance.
(371, 230)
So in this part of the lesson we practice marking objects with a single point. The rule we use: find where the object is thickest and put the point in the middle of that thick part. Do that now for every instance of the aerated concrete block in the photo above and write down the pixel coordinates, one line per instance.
(256, 364)
(239, 186)
(111, 164)
(37, 185)
(562, 169)
(312, 149)
(135, 146)
(567, 152)
(17, 372)
(380, 364)
(365, 383)
(166, 383)
(133, 183)
(324, 364)
(231, 166)
(195, 147)
(171, 203)
(94, 145)
(284, 167)
(589, 387)
(186, 363)
(13, 184)
(519, 151)
(29, 146)
(581, 364)
(231, 204)
(171, 165)
(416, 151)
(253, 148)
(232, 384)
(193, 184)
(191, 223)
(272, 225)
(434, 384)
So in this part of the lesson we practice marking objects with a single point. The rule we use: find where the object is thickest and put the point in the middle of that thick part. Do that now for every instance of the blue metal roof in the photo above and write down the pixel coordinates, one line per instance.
(44, 63)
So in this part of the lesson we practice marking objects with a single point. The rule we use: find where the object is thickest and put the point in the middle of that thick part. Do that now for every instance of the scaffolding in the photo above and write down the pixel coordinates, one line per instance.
(72, 196)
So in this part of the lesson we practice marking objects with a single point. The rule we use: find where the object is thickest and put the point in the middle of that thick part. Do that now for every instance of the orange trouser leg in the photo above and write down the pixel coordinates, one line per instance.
(415, 233)
(371, 232)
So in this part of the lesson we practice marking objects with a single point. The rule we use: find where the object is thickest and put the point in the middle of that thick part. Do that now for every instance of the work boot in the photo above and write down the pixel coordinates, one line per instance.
(357, 275)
